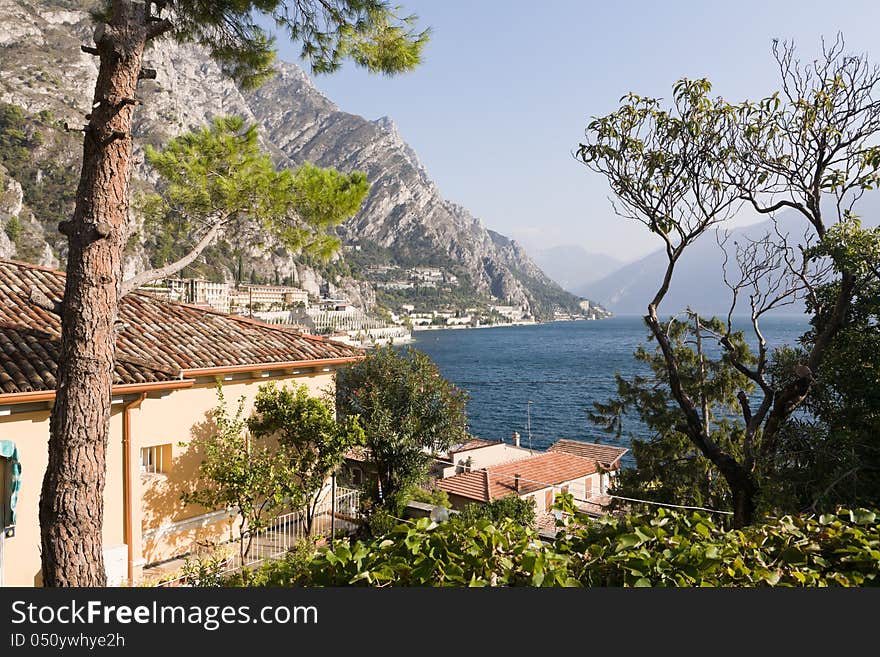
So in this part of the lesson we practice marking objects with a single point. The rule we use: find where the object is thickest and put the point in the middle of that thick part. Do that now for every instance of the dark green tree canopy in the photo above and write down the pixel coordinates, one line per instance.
(369, 32)
(407, 409)
(216, 184)
(669, 467)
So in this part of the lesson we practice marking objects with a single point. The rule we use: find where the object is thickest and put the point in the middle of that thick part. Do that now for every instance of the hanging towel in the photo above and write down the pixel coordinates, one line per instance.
(10, 451)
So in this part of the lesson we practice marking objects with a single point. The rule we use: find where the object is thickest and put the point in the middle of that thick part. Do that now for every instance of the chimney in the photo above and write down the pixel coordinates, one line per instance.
(516, 438)
(486, 484)
(516, 478)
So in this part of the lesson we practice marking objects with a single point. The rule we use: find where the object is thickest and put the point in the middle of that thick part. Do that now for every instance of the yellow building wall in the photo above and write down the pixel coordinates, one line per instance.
(176, 421)
(30, 433)
(177, 417)
(486, 457)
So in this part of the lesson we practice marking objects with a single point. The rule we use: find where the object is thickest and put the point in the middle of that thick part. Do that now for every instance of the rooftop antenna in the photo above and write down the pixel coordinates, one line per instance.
(529, 422)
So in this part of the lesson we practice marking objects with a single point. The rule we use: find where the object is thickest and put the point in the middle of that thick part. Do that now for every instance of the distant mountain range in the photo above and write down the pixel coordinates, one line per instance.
(698, 281)
(573, 266)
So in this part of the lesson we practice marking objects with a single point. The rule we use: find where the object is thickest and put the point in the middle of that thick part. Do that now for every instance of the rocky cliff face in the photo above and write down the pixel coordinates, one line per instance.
(43, 70)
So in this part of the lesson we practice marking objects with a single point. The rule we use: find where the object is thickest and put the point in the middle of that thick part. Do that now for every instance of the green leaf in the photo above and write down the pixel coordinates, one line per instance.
(627, 541)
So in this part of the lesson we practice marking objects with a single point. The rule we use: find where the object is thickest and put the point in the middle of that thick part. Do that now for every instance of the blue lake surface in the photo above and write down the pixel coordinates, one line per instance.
(561, 367)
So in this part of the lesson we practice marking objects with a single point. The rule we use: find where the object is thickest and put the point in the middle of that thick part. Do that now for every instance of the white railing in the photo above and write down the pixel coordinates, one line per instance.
(285, 532)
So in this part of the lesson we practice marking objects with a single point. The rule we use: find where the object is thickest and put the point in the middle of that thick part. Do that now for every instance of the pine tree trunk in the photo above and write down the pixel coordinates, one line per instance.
(71, 503)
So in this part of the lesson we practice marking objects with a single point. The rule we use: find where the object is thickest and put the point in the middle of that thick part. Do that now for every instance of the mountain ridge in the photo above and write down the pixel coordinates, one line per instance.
(43, 71)
(628, 289)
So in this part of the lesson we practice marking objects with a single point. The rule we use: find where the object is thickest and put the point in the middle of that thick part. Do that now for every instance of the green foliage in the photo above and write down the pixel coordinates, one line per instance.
(312, 440)
(35, 158)
(368, 32)
(662, 548)
(205, 570)
(380, 521)
(15, 142)
(519, 510)
(218, 176)
(13, 229)
(235, 472)
(678, 549)
(407, 409)
(669, 467)
(291, 570)
(830, 454)
(435, 496)
(665, 166)
(454, 553)
(850, 247)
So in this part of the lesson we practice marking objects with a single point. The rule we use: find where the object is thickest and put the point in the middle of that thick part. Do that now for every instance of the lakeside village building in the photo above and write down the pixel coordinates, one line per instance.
(482, 471)
(283, 305)
(170, 358)
(226, 298)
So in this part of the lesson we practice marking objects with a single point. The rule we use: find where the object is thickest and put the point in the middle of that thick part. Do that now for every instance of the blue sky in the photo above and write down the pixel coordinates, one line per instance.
(507, 88)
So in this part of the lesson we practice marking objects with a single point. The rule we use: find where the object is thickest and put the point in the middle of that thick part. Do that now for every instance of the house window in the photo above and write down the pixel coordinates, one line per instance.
(590, 486)
(548, 499)
(155, 459)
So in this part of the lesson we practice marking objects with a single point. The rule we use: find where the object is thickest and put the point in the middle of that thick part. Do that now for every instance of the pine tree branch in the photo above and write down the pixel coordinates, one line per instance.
(174, 267)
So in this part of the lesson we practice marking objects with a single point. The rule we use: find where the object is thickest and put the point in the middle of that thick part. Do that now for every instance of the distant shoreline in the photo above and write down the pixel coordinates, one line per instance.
(456, 327)
(417, 329)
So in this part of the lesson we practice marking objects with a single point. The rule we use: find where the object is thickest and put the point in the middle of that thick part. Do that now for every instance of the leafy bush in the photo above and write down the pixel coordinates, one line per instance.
(13, 229)
(660, 549)
(292, 570)
(453, 553)
(675, 549)
(435, 496)
(380, 522)
(205, 569)
(519, 510)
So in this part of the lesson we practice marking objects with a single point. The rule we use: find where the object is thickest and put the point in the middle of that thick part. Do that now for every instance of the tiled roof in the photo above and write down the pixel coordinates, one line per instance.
(536, 472)
(473, 443)
(604, 454)
(358, 453)
(160, 338)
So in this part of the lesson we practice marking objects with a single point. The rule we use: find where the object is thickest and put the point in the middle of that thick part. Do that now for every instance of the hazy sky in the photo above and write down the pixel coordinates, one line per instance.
(507, 88)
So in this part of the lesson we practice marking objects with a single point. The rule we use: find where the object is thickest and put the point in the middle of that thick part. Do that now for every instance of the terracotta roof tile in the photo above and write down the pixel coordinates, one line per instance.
(536, 472)
(160, 338)
(604, 454)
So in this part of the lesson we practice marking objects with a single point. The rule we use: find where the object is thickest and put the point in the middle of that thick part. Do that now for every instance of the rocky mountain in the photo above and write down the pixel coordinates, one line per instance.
(697, 281)
(44, 74)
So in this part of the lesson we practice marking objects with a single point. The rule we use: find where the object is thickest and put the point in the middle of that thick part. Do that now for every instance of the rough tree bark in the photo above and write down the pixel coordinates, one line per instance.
(71, 501)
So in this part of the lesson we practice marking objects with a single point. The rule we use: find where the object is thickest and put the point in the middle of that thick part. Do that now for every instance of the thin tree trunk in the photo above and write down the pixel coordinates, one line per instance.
(740, 480)
(743, 503)
(71, 502)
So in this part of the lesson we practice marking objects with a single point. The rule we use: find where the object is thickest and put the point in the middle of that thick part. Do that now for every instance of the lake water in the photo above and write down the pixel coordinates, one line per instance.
(562, 367)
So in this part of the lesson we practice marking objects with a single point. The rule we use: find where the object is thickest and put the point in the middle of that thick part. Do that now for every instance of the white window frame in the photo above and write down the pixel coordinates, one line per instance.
(152, 461)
